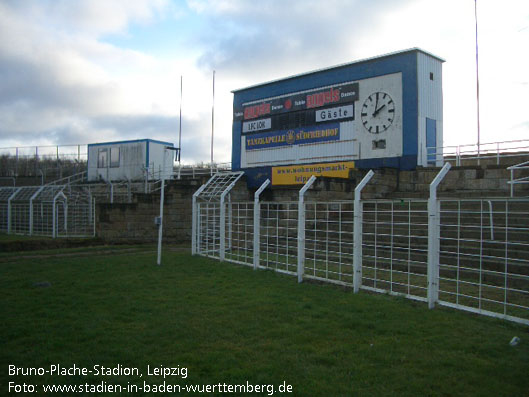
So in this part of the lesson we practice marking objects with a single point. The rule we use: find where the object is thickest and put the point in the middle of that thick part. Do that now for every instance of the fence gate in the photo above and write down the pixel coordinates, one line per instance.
(211, 223)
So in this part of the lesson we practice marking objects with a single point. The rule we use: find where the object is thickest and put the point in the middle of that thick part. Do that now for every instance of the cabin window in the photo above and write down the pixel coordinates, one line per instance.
(102, 158)
(114, 157)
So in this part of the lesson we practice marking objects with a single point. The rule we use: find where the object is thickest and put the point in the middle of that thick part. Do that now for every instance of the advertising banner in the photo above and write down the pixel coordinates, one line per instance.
(319, 97)
(296, 136)
(299, 174)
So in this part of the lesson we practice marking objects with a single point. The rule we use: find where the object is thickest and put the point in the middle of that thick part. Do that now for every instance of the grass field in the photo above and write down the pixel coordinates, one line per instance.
(229, 324)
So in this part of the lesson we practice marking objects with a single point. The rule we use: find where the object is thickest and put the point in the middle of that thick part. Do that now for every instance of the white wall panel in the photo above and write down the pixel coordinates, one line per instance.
(430, 97)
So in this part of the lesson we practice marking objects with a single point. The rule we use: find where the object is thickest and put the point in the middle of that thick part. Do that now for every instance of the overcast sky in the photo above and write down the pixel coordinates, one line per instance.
(86, 71)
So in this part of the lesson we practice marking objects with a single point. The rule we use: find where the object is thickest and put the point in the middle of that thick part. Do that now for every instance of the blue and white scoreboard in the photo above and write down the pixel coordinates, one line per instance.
(385, 111)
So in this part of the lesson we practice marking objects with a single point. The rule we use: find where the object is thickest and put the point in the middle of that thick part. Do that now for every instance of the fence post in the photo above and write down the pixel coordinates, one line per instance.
(160, 225)
(301, 228)
(433, 238)
(230, 222)
(31, 209)
(93, 203)
(9, 209)
(65, 209)
(195, 220)
(222, 231)
(257, 223)
(55, 220)
(357, 231)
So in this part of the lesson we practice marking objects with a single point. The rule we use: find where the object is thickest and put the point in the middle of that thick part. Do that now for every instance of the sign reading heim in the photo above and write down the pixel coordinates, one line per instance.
(296, 136)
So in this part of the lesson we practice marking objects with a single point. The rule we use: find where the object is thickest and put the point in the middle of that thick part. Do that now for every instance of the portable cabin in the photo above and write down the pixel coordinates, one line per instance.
(129, 160)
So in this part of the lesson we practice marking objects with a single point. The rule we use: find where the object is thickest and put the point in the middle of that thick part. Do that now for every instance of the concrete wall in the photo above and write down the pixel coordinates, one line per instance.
(135, 222)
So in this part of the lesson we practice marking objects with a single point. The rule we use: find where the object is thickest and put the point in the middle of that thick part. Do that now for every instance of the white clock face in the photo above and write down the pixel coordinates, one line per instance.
(378, 112)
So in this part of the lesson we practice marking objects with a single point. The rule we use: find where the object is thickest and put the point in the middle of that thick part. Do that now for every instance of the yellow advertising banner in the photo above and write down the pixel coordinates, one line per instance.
(299, 174)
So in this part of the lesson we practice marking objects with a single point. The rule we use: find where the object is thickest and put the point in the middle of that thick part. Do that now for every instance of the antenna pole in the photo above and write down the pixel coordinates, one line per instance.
(477, 71)
(212, 122)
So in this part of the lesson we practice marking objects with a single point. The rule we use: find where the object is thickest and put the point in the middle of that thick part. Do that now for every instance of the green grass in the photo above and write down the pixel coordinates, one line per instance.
(230, 324)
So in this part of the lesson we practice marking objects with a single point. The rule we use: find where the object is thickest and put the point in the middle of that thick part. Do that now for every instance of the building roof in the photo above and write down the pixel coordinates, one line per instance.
(131, 141)
(415, 49)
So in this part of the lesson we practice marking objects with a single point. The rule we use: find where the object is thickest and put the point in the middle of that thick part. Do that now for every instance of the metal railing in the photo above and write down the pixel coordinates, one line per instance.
(521, 180)
(72, 179)
(471, 255)
(200, 169)
(491, 152)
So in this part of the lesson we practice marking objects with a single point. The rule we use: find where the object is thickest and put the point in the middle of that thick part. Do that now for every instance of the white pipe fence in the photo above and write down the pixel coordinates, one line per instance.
(51, 210)
(467, 254)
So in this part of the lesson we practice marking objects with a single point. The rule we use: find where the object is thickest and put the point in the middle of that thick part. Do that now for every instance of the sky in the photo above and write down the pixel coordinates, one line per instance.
(86, 71)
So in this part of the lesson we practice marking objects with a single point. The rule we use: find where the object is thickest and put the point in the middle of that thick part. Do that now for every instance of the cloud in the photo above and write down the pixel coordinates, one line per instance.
(90, 17)
(69, 71)
(278, 38)
(55, 82)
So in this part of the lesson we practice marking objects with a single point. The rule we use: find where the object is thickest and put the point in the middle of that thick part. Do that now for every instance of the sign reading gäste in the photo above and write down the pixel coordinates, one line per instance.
(337, 113)
(296, 136)
(310, 99)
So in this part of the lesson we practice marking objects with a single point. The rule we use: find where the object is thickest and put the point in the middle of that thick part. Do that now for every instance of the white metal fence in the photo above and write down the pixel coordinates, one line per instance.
(54, 211)
(484, 256)
(395, 247)
(467, 254)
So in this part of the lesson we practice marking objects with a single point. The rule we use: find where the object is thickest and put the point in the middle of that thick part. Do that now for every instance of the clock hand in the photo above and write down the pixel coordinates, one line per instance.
(378, 110)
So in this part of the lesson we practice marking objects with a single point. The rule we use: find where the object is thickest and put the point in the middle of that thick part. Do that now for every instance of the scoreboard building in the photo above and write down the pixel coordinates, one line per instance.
(379, 112)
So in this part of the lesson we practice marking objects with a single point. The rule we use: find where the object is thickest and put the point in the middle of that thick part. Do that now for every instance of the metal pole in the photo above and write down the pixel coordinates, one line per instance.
(477, 72)
(93, 203)
(301, 228)
(433, 238)
(212, 122)
(257, 223)
(357, 231)
(180, 131)
(512, 183)
(10, 208)
(160, 226)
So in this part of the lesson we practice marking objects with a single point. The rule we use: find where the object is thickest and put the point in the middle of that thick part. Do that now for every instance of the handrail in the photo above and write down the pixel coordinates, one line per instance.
(525, 179)
(477, 152)
(68, 179)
